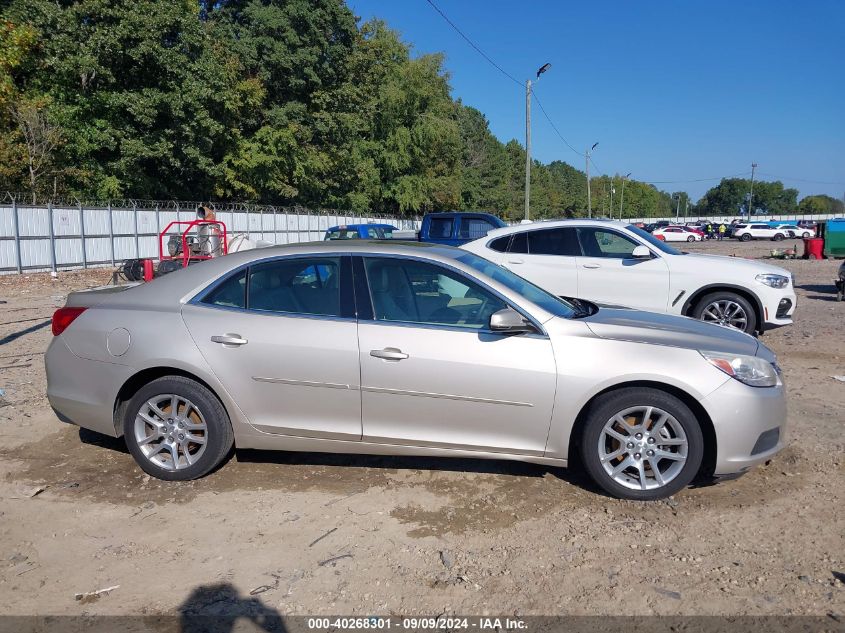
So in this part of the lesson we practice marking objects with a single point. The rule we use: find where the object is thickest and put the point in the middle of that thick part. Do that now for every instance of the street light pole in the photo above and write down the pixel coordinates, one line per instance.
(751, 195)
(612, 190)
(527, 150)
(622, 195)
(589, 201)
(540, 71)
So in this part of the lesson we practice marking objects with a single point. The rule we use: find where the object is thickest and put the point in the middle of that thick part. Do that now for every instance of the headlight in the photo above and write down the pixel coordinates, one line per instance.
(773, 281)
(751, 370)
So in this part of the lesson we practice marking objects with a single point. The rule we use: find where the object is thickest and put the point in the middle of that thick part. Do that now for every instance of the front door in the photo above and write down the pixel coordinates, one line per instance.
(282, 338)
(432, 374)
(608, 274)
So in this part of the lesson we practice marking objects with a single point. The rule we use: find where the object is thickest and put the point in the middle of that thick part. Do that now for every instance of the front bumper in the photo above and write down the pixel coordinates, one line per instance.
(83, 391)
(750, 425)
(778, 307)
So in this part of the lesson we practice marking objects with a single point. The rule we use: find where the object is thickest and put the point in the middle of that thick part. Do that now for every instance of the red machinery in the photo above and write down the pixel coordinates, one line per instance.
(193, 241)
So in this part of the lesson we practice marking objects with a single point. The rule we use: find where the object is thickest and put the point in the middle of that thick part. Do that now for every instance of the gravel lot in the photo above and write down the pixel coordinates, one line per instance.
(309, 534)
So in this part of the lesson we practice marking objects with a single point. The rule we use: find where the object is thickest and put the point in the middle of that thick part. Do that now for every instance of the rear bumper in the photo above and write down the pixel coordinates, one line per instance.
(83, 391)
(750, 425)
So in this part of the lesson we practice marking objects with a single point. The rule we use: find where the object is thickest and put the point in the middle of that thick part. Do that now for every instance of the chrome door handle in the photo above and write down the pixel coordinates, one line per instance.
(388, 353)
(592, 265)
(229, 339)
(515, 261)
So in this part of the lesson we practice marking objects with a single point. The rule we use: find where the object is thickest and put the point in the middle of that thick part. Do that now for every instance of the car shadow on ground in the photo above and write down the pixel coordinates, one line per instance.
(827, 291)
(507, 468)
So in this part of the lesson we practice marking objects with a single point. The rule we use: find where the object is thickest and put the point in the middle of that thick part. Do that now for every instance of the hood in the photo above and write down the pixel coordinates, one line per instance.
(666, 329)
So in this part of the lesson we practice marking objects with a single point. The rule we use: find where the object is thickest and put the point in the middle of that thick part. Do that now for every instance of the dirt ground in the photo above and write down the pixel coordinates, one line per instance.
(318, 534)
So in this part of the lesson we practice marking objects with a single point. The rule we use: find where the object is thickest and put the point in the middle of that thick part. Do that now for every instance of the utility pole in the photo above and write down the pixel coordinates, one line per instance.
(622, 196)
(589, 201)
(540, 71)
(611, 197)
(527, 149)
(678, 209)
(751, 195)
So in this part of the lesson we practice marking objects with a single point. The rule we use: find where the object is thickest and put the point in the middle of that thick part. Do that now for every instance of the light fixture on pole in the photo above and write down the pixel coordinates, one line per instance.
(540, 71)
(622, 195)
(589, 201)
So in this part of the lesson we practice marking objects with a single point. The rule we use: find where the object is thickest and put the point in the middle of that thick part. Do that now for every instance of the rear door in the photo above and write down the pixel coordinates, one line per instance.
(608, 274)
(282, 337)
(547, 257)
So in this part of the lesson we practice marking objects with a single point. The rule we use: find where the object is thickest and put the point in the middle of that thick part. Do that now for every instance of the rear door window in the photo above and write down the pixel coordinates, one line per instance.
(557, 241)
(440, 228)
(300, 286)
(473, 228)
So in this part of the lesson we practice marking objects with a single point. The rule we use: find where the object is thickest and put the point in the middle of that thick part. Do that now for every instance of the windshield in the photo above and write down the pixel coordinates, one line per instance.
(523, 287)
(658, 244)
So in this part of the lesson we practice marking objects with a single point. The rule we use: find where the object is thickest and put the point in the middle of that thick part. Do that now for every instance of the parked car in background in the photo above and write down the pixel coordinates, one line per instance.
(454, 228)
(747, 232)
(390, 348)
(360, 232)
(789, 229)
(612, 263)
(678, 234)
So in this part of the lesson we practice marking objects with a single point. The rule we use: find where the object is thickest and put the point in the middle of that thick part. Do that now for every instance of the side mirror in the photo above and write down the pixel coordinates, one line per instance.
(509, 321)
(641, 252)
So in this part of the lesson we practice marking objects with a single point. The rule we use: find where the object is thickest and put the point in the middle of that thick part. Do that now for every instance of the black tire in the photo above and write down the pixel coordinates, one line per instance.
(805, 235)
(219, 435)
(778, 237)
(745, 237)
(606, 407)
(727, 295)
(691, 238)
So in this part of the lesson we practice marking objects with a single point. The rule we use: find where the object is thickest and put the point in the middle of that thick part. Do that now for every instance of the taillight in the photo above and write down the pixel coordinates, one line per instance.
(63, 317)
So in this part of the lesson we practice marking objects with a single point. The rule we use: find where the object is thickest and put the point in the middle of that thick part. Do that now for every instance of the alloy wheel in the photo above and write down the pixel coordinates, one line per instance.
(643, 448)
(725, 312)
(171, 431)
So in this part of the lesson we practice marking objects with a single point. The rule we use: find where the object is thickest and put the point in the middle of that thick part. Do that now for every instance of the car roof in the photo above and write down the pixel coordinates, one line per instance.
(551, 224)
(359, 225)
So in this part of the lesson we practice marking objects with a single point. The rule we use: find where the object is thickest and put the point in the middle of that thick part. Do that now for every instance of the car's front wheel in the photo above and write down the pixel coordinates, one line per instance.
(805, 235)
(727, 308)
(176, 429)
(691, 238)
(778, 237)
(641, 444)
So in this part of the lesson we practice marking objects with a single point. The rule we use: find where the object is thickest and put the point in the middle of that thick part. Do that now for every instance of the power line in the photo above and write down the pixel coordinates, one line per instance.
(812, 182)
(471, 43)
(674, 182)
(503, 71)
(554, 127)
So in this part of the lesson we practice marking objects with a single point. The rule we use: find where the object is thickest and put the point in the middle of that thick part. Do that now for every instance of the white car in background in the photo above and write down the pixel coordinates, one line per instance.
(677, 234)
(748, 232)
(617, 264)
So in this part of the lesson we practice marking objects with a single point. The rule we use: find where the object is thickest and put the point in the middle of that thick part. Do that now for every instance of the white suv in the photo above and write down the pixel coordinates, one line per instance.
(746, 232)
(613, 263)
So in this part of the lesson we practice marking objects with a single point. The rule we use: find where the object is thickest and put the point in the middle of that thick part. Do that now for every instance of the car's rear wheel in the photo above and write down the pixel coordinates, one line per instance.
(805, 235)
(745, 237)
(727, 308)
(176, 429)
(641, 444)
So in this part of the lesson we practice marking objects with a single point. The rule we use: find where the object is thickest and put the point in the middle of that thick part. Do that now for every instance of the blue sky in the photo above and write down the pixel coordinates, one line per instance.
(671, 90)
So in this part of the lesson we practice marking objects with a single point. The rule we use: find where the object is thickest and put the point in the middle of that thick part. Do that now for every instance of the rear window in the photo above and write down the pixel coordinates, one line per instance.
(301, 286)
(500, 244)
(231, 293)
(342, 234)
